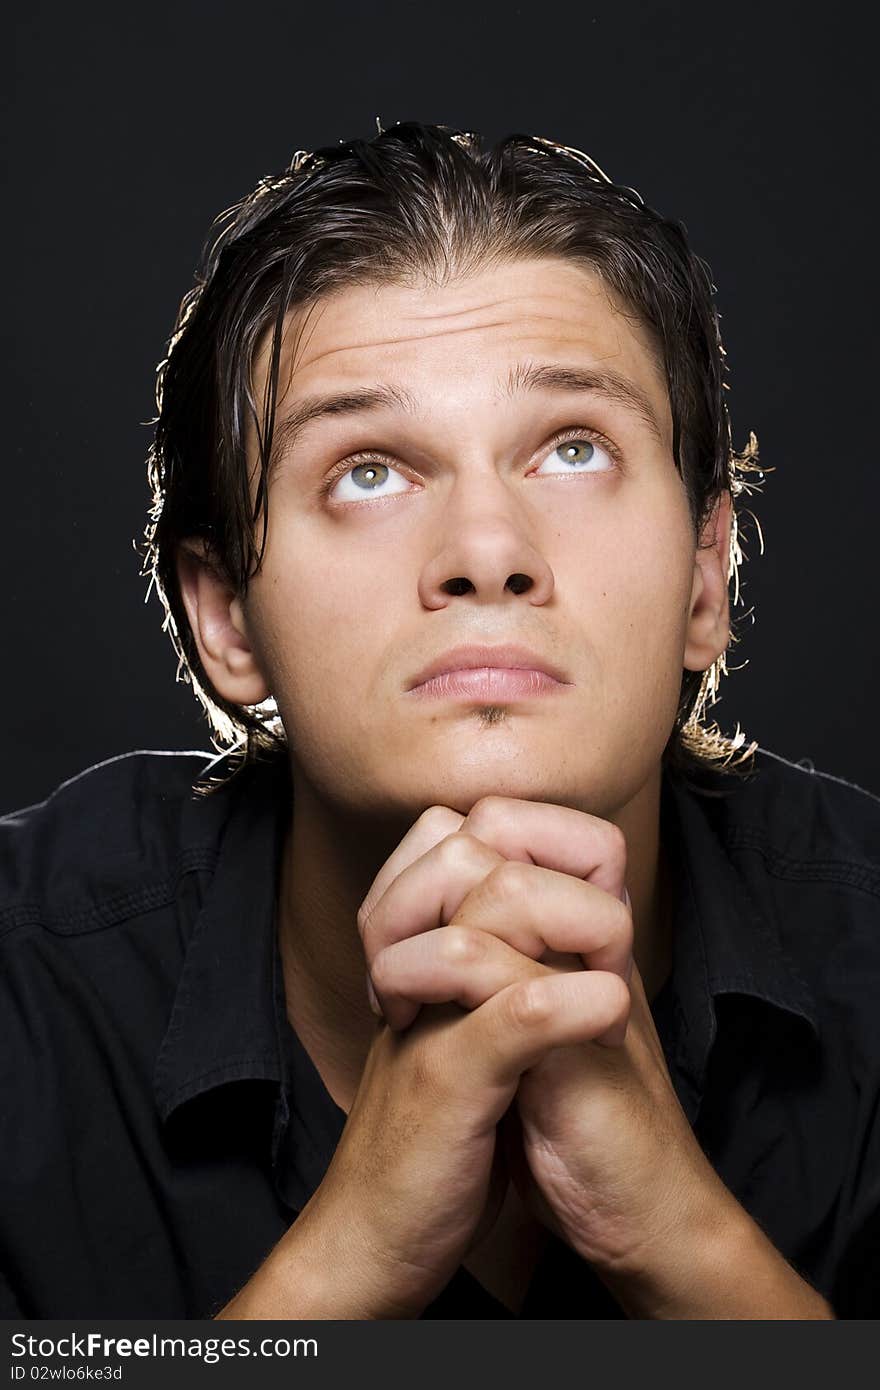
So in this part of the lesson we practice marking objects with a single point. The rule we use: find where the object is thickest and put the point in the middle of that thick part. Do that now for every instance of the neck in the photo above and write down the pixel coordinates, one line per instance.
(328, 864)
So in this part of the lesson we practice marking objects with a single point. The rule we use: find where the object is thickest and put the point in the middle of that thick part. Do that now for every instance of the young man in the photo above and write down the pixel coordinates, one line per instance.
(492, 983)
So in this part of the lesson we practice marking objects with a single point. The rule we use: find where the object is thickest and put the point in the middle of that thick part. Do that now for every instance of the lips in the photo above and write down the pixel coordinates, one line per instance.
(470, 658)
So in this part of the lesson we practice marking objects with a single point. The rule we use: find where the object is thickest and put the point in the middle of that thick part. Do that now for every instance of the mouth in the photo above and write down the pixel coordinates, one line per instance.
(489, 674)
(488, 684)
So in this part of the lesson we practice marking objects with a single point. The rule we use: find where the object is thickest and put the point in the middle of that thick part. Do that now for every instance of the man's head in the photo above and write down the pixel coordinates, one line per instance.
(522, 439)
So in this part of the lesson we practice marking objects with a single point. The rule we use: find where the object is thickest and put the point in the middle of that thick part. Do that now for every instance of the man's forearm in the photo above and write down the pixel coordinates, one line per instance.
(729, 1270)
(321, 1268)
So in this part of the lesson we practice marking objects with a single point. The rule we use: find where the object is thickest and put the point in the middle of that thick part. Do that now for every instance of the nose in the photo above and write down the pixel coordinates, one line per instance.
(486, 552)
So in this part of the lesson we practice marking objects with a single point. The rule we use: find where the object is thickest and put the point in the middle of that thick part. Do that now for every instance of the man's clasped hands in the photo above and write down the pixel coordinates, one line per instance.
(499, 951)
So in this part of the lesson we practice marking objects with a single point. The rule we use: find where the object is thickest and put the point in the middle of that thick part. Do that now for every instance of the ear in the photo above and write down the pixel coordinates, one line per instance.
(708, 632)
(218, 624)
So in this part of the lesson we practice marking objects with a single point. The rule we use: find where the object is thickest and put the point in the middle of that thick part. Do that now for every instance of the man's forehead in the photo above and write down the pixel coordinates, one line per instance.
(417, 350)
(544, 308)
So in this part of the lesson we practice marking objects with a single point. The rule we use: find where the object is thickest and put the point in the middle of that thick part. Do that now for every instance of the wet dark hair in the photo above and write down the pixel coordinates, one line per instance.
(416, 201)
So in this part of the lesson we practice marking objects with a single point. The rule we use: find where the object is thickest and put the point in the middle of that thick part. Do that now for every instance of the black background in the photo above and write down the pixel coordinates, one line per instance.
(129, 130)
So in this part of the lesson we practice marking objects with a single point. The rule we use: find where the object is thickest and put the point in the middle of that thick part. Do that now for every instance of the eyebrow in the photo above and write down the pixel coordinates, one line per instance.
(371, 398)
(526, 376)
(606, 383)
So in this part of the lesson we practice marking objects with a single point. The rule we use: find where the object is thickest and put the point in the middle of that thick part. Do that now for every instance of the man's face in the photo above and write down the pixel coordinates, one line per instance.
(470, 477)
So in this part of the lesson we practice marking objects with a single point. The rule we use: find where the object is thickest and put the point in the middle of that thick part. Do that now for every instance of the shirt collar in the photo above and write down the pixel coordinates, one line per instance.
(223, 1026)
(725, 942)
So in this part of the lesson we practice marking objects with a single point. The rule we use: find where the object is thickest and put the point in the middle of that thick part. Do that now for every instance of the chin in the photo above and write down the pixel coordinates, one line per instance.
(460, 788)
(395, 779)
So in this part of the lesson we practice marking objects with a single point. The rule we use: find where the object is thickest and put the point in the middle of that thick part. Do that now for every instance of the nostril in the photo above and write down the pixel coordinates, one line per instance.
(457, 586)
(519, 583)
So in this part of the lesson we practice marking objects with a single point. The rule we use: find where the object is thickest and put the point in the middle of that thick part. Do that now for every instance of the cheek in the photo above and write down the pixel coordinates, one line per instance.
(642, 578)
(318, 626)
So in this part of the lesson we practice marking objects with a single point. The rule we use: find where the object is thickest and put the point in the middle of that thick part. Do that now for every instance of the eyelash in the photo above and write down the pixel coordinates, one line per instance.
(580, 432)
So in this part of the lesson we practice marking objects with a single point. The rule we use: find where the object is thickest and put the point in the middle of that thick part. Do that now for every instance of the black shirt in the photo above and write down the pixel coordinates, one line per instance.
(162, 1125)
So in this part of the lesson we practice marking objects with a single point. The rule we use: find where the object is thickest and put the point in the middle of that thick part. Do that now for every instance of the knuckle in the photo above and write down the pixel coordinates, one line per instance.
(529, 1005)
(510, 879)
(462, 946)
(439, 820)
(382, 971)
(488, 811)
(459, 850)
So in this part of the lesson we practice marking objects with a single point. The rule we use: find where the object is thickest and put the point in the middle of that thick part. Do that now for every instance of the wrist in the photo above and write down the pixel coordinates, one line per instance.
(349, 1271)
(322, 1268)
(718, 1264)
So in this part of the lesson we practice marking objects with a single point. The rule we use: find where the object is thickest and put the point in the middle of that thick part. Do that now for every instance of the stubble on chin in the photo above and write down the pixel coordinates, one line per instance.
(489, 716)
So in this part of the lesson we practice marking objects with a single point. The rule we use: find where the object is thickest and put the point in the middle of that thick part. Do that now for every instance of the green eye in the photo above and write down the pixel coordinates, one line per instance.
(372, 475)
(367, 479)
(577, 455)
